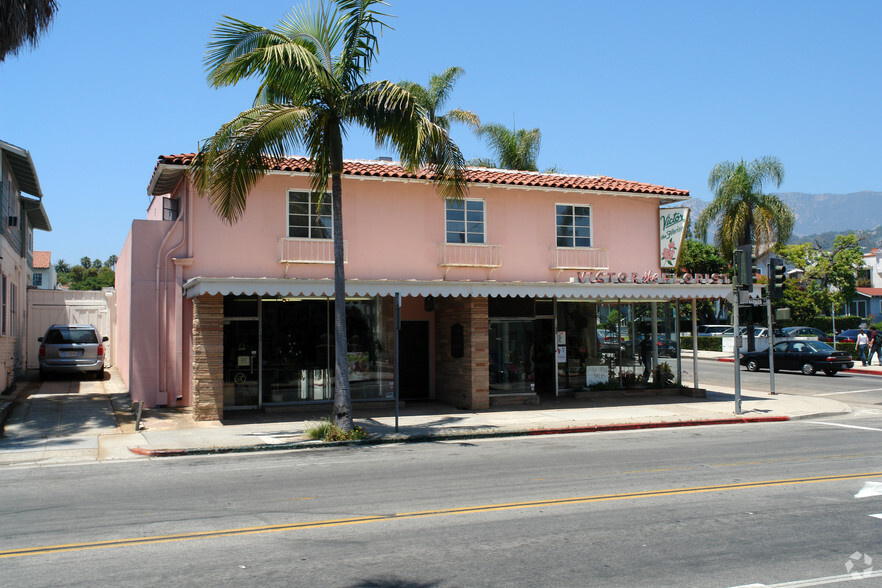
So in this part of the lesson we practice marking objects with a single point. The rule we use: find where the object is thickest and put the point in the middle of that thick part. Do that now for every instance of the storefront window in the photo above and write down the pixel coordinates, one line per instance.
(613, 345)
(283, 347)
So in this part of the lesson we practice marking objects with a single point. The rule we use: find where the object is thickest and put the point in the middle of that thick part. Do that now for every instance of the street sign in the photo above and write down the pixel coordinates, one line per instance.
(756, 301)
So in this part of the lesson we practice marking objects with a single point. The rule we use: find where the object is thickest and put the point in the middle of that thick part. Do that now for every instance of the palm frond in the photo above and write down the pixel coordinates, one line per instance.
(23, 23)
(360, 43)
(441, 85)
(231, 162)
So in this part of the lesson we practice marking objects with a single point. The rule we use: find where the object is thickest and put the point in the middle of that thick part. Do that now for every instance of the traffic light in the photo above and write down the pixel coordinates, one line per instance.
(754, 271)
(744, 261)
(776, 278)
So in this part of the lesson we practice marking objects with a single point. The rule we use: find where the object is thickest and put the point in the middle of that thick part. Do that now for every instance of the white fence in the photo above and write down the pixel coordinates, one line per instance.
(58, 307)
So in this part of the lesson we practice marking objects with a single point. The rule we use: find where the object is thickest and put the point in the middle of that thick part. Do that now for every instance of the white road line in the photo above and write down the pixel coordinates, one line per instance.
(845, 426)
(870, 489)
(850, 392)
(877, 516)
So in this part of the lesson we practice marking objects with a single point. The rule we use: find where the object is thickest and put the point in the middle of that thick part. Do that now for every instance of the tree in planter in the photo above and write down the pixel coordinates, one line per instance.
(312, 67)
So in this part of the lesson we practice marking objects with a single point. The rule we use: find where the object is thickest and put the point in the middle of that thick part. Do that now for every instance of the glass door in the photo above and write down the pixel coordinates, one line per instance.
(512, 365)
(241, 364)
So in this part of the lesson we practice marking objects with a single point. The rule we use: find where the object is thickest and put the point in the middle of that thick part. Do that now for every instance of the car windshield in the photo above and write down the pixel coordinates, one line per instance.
(67, 336)
(818, 346)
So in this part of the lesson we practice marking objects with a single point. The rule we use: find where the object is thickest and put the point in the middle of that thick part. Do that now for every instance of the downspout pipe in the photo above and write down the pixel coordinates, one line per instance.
(161, 362)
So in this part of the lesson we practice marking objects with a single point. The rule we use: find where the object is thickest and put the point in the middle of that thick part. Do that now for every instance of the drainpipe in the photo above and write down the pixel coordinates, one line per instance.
(161, 361)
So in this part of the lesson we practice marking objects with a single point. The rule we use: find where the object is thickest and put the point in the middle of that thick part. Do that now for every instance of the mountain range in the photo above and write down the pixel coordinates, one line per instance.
(823, 216)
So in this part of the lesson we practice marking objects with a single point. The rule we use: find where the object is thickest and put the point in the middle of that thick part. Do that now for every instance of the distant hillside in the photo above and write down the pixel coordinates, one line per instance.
(818, 214)
(868, 239)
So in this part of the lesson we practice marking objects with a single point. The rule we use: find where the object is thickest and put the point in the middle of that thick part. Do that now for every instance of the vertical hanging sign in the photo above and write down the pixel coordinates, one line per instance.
(671, 226)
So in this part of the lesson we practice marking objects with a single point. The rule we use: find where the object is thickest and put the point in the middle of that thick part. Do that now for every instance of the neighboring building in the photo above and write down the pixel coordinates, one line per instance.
(19, 216)
(534, 285)
(868, 302)
(44, 276)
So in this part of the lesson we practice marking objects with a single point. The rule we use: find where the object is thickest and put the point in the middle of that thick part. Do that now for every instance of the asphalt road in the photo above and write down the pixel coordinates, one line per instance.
(859, 390)
(705, 506)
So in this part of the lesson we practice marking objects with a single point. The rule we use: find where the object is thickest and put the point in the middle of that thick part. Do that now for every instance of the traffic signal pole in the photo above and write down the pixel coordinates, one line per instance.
(771, 336)
(738, 262)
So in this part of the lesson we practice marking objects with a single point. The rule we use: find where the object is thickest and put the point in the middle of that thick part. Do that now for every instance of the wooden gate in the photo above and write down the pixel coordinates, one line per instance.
(59, 307)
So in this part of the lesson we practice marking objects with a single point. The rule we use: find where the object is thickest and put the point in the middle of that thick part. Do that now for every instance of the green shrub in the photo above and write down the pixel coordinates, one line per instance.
(325, 430)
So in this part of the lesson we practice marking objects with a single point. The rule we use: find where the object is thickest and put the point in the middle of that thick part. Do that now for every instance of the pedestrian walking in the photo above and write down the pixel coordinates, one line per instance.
(863, 345)
(875, 346)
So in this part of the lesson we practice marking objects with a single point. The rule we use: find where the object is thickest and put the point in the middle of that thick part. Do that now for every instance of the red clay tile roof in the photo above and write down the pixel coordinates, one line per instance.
(477, 175)
(870, 291)
(42, 259)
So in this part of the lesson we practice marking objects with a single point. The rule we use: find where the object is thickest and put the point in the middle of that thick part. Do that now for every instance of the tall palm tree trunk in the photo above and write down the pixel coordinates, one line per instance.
(342, 397)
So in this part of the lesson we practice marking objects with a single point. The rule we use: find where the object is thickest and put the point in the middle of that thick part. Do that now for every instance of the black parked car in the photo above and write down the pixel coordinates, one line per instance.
(805, 356)
(847, 336)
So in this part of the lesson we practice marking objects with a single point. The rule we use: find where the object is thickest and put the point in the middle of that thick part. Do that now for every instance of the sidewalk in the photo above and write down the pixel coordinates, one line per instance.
(82, 420)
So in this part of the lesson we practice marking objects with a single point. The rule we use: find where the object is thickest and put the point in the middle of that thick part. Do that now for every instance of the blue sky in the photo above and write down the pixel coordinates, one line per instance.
(650, 91)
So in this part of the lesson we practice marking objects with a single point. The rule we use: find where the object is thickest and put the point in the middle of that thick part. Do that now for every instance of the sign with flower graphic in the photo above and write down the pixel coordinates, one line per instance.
(672, 225)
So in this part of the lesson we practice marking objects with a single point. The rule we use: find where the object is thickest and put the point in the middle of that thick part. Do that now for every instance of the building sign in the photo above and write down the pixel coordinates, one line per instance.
(650, 277)
(671, 226)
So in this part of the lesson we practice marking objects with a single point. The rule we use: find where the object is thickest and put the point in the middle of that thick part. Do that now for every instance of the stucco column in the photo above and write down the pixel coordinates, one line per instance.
(208, 354)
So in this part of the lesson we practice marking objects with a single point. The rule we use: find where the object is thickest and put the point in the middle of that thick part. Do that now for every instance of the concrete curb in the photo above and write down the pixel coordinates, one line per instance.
(428, 438)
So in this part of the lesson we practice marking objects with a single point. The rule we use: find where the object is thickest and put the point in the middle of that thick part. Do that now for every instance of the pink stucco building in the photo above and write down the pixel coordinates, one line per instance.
(536, 284)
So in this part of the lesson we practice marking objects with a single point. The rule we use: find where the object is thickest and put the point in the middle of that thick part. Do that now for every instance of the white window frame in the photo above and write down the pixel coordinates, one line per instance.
(311, 228)
(465, 232)
(38, 279)
(13, 310)
(5, 303)
(573, 216)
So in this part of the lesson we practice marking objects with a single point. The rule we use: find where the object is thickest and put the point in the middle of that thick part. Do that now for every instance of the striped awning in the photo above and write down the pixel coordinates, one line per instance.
(439, 288)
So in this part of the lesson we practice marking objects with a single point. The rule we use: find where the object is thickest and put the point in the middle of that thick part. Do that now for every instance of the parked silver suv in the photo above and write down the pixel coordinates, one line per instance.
(72, 349)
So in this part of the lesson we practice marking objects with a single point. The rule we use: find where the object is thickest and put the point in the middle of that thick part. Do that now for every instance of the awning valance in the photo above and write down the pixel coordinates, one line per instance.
(439, 288)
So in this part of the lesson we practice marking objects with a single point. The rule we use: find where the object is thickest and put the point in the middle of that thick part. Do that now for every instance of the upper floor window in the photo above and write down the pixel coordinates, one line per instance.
(170, 209)
(465, 221)
(38, 279)
(573, 225)
(307, 218)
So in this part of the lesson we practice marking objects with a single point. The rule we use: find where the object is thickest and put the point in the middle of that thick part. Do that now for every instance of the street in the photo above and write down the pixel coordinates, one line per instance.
(859, 390)
(705, 506)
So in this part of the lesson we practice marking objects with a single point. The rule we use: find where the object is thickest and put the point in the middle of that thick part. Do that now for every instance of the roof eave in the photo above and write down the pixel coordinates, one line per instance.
(36, 214)
(23, 169)
(165, 177)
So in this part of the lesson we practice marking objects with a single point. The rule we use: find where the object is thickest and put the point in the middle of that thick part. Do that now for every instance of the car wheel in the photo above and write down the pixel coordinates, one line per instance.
(752, 365)
(830, 372)
(808, 369)
(99, 375)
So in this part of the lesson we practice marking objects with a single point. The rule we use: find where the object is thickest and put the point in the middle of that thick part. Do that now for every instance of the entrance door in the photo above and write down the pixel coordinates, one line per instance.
(545, 358)
(413, 367)
(511, 356)
(241, 367)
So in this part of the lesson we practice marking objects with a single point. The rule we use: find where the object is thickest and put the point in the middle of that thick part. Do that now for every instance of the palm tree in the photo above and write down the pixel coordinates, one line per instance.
(515, 149)
(433, 97)
(312, 67)
(745, 214)
(22, 22)
(62, 267)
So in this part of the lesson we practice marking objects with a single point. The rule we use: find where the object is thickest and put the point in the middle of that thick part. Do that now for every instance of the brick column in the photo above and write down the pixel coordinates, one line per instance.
(208, 355)
(463, 381)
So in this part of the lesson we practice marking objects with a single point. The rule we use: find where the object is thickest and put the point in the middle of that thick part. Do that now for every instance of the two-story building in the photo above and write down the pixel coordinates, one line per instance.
(534, 285)
(868, 301)
(19, 216)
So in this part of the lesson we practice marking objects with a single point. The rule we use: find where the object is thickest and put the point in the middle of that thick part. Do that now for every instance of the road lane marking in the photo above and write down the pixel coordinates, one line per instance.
(844, 426)
(46, 549)
(850, 392)
(870, 489)
(853, 577)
